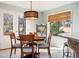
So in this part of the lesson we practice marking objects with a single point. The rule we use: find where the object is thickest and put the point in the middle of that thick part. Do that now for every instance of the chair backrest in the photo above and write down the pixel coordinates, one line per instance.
(49, 39)
(13, 38)
(24, 38)
(41, 29)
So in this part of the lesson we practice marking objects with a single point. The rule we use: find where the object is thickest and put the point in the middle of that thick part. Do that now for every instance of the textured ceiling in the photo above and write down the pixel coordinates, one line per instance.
(38, 5)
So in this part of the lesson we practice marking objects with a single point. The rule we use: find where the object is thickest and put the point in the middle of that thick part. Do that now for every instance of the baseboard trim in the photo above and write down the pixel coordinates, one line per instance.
(4, 49)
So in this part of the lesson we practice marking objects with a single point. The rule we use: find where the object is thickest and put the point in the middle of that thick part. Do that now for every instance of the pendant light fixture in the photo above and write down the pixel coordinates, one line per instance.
(31, 15)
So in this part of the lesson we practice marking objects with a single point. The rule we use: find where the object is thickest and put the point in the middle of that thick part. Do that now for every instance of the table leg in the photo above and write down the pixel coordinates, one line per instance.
(37, 52)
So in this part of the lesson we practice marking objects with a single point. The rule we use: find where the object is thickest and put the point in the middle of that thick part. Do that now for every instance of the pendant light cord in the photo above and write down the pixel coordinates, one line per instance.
(31, 5)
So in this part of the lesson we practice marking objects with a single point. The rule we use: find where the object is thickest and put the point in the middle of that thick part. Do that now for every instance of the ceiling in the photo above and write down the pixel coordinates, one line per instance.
(38, 5)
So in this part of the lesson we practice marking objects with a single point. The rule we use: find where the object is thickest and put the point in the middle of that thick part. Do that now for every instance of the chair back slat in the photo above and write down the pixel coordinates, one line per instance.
(23, 39)
(12, 38)
(12, 35)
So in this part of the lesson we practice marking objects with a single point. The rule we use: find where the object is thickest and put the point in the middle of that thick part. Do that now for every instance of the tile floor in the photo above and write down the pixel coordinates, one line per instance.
(55, 53)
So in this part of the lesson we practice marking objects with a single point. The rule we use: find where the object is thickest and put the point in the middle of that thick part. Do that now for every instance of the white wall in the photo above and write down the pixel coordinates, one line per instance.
(74, 10)
(30, 26)
(75, 19)
(4, 39)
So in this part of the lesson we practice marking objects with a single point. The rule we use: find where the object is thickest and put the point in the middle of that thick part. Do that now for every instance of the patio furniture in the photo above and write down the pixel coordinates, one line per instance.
(67, 53)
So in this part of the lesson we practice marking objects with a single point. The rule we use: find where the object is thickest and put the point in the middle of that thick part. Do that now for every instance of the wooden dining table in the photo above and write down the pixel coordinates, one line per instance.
(36, 39)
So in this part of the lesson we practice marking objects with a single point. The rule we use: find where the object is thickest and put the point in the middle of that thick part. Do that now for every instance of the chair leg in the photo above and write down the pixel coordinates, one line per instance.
(14, 50)
(21, 54)
(11, 52)
(49, 52)
(38, 52)
(67, 52)
(63, 51)
(73, 54)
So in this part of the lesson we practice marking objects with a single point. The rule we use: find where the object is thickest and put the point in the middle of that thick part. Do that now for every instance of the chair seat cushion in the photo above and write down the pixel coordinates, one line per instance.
(17, 45)
(27, 49)
(43, 45)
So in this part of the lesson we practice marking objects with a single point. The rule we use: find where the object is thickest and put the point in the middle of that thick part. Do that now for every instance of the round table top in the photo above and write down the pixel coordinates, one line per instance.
(36, 38)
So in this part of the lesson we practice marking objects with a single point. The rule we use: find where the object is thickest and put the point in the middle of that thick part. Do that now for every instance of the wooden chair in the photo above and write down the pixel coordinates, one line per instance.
(46, 45)
(14, 45)
(68, 52)
(25, 48)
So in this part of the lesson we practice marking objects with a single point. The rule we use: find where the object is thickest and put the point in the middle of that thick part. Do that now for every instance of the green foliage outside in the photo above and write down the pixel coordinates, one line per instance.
(54, 28)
